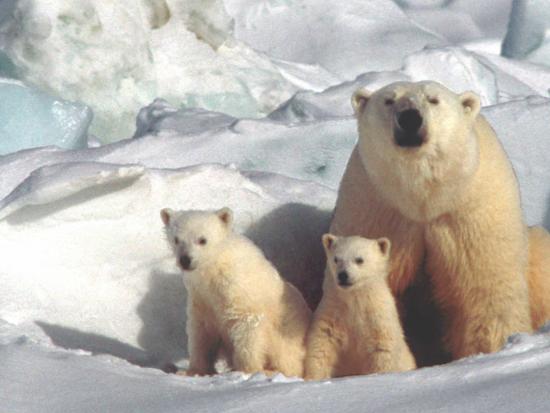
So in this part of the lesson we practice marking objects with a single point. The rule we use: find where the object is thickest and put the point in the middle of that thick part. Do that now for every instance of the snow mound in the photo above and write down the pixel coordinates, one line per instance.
(30, 118)
(360, 31)
(456, 68)
(161, 118)
(118, 57)
(332, 102)
(528, 35)
(516, 379)
(460, 20)
(495, 79)
(523, 129)
(456, 26)
(112, 285)
(49, 184)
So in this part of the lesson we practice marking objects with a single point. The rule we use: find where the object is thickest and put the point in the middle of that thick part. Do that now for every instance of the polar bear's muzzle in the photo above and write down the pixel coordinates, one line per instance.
(408, 131)
(185, 262)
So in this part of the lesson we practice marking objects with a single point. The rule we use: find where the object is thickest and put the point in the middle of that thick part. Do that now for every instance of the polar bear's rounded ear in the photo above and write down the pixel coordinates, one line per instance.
(329, 241)
(471, 103)
(359, 100)
(225, 215)
(166, 215)
(384, 244)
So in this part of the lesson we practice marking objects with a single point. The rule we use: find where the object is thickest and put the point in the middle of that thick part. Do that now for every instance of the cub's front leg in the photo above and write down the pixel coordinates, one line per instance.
(322, 350)
(249, 337)
(203, 347)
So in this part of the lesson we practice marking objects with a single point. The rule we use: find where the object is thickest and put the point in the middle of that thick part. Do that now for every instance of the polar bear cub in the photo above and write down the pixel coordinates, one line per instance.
(237, 305)
(356, 328)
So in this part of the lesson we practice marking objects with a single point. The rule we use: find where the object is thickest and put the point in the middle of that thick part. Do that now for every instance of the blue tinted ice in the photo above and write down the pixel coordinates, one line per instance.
(30, 118)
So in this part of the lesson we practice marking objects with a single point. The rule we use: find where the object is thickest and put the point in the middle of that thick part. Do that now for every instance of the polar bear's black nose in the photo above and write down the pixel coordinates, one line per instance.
(408, 130)
(185, 262)
(409, 120)
(343, 278)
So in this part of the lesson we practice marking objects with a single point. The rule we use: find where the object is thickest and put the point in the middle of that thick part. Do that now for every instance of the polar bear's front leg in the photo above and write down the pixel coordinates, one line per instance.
(322, 351)
(248, 339)
(203, 347)
(478, 268)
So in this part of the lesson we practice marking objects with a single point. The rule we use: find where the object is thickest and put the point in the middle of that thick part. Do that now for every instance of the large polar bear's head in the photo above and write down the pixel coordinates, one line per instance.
(194, 235)
(417, 142)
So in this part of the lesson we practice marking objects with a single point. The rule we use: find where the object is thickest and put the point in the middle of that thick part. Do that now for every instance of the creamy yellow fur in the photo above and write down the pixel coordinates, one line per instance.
(539, 276)
(356, 328)
(237, 302)
(450, 207)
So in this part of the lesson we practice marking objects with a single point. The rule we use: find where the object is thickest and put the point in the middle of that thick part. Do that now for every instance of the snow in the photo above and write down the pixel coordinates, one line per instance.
(118, 57)
(92, 305)
(528, 35)
(29, 117)
(295, 30)
(112, 213)
(513, 380)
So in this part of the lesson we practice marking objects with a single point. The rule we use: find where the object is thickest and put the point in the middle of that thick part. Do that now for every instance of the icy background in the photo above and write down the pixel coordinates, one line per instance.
(239, 103)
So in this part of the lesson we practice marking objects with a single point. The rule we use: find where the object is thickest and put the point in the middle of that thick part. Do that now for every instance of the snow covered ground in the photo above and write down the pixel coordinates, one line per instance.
(253, 113)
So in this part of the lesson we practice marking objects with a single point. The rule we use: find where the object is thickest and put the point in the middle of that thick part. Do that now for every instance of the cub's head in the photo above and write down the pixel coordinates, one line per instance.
(194, 234)
(355, 261)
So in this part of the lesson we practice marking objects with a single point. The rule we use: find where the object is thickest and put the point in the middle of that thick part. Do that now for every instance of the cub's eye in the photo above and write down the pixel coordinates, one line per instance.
(359, 261)
(433, 100)
(202, 241)
(336, 260)
(176, 240)
(389, 102)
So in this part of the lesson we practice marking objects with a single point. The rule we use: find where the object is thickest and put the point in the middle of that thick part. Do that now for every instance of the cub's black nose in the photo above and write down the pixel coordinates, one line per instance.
(409, 120)
(185, 262)
(343, 278)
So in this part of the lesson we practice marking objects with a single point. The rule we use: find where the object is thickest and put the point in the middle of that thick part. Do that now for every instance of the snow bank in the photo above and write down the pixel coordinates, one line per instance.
(313, 150)
(495, 79)
(516, 379)
(456, 68)
(528, 35)
(30, 118)
(460, 20)
(522, 127)
(112, 284)
(118, 57)
(346, 38)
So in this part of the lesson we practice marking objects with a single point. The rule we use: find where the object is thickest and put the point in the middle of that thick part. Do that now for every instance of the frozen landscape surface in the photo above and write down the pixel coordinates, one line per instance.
(235, 103)
(29, 118)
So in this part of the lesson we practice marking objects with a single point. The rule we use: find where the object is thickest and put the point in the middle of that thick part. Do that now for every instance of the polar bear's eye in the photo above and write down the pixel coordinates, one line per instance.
(176, 240)
(389, 102)
(433, 100)
(336, 260)
(202, 241)
(359, 261)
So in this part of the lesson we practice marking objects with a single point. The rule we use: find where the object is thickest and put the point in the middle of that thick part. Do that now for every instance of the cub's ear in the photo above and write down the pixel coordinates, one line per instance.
(329, 241)
(385, 245)
(359, 100)
(225, 215)
(166, 215)
(471, 103)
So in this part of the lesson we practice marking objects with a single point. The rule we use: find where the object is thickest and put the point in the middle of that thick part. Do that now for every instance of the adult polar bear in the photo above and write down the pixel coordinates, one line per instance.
(429, 173)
